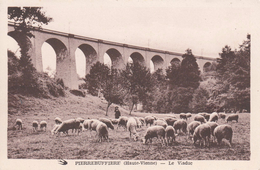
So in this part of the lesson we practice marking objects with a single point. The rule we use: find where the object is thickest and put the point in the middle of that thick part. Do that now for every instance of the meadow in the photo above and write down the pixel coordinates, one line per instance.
(26, 144)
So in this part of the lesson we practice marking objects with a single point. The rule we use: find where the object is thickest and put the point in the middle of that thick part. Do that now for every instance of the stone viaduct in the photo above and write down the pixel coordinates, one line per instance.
(65, 45)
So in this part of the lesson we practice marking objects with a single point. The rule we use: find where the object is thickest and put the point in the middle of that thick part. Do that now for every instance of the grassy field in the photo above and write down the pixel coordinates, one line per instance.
(42, 145)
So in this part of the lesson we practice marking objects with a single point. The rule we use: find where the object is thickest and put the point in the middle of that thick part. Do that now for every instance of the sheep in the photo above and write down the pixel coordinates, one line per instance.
(183, 116)
(155, 118)
(138, 122)
(170, 120)
(122, 122)
(213, 117)
(232, 117)
(19, 123)
(142, 120)
(149, 120)
(55, 127)
(202, 132)
(102, 131)
(180, 125)
(212, 126)
(161, 123)
(114, 121)
(191, 127)
(169, 135)
(43, 124)
(66, 125)
(80, 119)
(131, 127)
(188, 115)
(93, 124)
(154, 131)
(35, 125)
(107, 122)
(222, 115)
(200, 118)
(207, 116)
(58, 120)
(223, 131)
(86, 124)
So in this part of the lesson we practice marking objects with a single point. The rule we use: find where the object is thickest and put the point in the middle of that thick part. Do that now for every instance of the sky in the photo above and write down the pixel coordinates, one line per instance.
(201, 25)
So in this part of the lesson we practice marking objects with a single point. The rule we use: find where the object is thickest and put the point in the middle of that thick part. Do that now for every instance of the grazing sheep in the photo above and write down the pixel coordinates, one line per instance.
(188, 115)
(213, 117)
(149, 120)
(19, 123)
(180, 125)
(202, 132)
(55, 127)
(192, 126)
(232, 117)
(200, 118)
(80, 119)
(93, 124)
(223, 132)
(58, 120)
(170, 120)
(212, 126)
(114, 121)
(169, 135)
(122, 122)
(138, 122)
(154, 131)
(43, 124)
(35, 125)
(68, 124)
(141, 120)
(86, 124)
(222, 115)
(183, 116)
(131, 127)
(155, 118)
(161, 123)
(102, 131)
(207, 116)
(107, 122)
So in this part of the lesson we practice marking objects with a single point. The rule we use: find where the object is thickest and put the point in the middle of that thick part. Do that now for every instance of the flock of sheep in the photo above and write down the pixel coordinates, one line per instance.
(165, 129)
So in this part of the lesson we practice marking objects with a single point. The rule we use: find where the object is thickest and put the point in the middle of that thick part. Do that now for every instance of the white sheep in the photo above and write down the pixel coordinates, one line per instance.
(232, 117)
(154, 131)
(149, 120)
(66, 125)
(19, 123)
(141, 120)
(102, 131)
(170, 120)
(180, 125)
(162, 123)
(200, 118)
(213, 117)
(183, 116)
(80, 119)
(107, 122)
(35, 125)
(212, 126)
(205, 115)
(169, 135)
(122, 122)
(192, 126)
(138, 122)
(223, 132)
(188, 115)
(202, 132)
(131, 127)
(222, 115)
(58, 120)
(43, 124)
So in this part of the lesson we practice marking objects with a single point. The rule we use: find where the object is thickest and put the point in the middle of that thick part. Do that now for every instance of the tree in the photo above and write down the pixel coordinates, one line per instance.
(25, 18)
(137, 81)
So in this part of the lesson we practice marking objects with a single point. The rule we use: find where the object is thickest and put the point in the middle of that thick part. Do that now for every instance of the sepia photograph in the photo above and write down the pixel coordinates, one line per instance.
(130, 84)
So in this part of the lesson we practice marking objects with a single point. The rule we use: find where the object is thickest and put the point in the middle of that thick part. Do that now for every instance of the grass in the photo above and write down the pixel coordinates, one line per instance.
(26, 144)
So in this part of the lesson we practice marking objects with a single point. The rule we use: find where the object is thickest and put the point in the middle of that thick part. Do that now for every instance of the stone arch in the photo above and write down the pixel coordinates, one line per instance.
(206, 67)
(116, 58)
(176, 62)
(157, 62)
(90, 55)
(22, 39)
(62, 59)
(138, 58)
